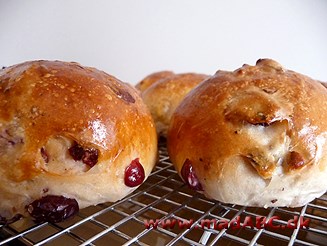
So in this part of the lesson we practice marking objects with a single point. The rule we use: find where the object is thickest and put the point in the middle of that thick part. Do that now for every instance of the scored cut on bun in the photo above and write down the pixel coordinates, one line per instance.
(254, 137)
(163, 91)
(70, 137)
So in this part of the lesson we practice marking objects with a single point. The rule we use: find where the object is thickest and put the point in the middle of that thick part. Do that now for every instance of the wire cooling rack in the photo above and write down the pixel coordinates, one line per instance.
(164, 196)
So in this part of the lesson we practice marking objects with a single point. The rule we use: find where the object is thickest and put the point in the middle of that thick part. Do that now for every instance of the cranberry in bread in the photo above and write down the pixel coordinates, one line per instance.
(163, 91)
(255, 136)
(70, 137)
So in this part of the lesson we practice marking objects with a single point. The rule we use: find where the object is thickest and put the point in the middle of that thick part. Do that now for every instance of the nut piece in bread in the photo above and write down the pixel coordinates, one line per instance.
(255, 137)
(70, 137)
(163, 91)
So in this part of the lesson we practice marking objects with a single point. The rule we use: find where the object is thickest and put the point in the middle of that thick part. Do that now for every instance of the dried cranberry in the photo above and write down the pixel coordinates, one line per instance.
(44, 155)
(190, 177)
(122, 94)
(134, 173)
(88, 156)
(76, 151)
(295, 160)
(53, 209)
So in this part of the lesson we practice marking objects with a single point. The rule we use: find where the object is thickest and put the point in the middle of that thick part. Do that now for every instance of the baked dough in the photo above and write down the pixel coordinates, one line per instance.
(163, 91)
(153, 78)
(71, 136)
(254, 137)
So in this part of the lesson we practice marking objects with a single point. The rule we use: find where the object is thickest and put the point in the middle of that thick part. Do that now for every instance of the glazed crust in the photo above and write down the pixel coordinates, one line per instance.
(153, 78)
(255, 136)
(48, 106)
(162, 93)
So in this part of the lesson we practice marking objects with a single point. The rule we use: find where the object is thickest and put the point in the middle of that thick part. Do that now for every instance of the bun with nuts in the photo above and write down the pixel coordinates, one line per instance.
(255, 137)
(70, 137)
(163, 91)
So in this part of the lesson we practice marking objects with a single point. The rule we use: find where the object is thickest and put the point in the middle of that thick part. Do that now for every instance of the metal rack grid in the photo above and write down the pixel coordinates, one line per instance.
(164, 196)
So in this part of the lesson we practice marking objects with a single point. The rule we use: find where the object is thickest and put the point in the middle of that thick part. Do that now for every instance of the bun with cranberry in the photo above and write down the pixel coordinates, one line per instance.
(255, 137)
(70, 137)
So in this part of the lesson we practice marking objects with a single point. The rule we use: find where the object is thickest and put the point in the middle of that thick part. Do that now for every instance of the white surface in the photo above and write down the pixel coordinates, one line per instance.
(130, 39)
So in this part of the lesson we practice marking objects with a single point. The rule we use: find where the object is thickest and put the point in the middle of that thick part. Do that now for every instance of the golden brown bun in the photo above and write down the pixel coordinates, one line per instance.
(163, 91)
(153, 78)
(255, 137)
(68, 130)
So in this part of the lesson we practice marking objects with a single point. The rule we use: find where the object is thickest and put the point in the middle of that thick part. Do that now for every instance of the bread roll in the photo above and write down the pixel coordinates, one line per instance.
(163, 91)
(70, 137)
(254, 137)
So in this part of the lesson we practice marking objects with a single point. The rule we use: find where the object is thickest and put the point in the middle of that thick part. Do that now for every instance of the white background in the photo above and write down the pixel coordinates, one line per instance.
(132, 38)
